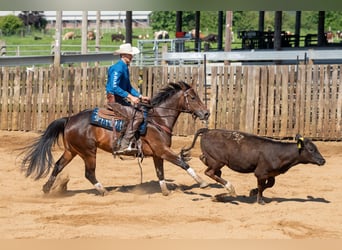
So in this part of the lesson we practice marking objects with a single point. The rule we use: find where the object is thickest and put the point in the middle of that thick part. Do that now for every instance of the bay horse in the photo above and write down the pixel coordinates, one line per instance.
(82, 138)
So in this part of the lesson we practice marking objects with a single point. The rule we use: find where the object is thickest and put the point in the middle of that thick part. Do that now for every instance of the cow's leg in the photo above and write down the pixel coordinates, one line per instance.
(159, 166)
(261, 188)
(214, 172)
(270, 183)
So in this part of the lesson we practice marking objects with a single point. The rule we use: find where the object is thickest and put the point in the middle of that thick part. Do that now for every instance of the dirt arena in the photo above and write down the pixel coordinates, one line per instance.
(305, 203)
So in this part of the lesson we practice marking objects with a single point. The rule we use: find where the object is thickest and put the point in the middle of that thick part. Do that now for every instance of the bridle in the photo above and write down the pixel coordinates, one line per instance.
(186, 110)
(187, 104)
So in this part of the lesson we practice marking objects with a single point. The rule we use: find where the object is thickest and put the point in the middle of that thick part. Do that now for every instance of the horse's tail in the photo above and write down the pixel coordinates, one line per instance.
(38, 158)
(185, 152)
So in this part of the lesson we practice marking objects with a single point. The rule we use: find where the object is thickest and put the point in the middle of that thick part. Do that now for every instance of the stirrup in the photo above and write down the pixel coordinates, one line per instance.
(127, 151)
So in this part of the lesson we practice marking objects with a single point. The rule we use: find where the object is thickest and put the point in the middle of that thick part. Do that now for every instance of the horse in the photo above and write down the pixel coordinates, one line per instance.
(82, 138)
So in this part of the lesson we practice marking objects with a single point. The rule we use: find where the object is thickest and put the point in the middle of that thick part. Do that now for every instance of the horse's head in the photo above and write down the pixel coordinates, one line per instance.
(193, 104)
(187, 101)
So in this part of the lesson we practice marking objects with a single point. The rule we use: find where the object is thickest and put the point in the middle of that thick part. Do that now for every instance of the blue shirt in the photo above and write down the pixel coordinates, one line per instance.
(118, 82)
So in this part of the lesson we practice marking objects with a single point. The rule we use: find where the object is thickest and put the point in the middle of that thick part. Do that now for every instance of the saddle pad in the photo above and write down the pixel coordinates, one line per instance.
(97, 120)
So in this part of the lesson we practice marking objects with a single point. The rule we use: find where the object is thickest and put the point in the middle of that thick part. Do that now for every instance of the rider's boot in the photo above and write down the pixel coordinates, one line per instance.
(132, 127)
(126, 148)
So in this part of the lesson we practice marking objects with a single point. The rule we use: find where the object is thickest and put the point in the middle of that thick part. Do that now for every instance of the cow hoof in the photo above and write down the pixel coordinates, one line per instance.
(253, 192)
(261, 202)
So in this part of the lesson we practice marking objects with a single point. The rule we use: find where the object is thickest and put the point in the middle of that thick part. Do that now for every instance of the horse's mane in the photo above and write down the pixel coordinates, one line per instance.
(168, 91)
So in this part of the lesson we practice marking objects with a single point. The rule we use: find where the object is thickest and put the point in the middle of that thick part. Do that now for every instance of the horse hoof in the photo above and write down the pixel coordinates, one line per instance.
(166, 192)
(232, 193)
(103, 192)
(46, 188)
(204, 184)
(231, 190)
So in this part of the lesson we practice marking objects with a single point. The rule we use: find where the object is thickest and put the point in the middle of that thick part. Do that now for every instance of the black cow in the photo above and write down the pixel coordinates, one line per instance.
(247, 153)
(118, 37)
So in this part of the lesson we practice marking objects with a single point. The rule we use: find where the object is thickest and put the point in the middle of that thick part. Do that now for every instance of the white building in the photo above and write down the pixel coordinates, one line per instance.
(73, 19)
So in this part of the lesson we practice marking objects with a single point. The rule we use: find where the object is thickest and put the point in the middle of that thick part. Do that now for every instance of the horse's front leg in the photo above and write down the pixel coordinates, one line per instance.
(179, 161)
(159, 166)
(90, 167)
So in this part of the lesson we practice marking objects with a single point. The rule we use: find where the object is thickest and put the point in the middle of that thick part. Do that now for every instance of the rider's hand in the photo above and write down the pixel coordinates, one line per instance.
(134, 99)
(145, 98)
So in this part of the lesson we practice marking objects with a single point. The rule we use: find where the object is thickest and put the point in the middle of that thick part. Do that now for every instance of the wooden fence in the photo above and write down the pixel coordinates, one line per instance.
(276, 101)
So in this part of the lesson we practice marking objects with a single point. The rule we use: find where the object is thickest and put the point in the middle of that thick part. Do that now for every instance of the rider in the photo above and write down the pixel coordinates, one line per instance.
(121, 96)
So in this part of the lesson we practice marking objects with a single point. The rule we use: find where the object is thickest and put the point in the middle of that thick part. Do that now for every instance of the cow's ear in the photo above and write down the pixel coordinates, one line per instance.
(300, 141)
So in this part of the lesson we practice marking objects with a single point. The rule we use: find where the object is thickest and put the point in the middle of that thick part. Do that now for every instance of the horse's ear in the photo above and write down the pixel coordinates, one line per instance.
(183, 85)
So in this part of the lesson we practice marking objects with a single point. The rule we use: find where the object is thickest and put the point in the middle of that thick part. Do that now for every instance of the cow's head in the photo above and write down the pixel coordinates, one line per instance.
(308, 151)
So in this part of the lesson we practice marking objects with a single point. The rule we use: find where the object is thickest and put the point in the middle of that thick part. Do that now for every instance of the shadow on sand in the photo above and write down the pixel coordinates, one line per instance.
(152, 187)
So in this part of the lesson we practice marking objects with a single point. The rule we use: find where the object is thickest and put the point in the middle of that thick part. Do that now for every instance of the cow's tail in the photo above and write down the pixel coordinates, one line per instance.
(38, 157)
(185, 152)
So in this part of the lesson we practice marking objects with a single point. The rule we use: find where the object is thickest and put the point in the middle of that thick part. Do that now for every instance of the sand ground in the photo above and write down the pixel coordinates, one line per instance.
(305, 203)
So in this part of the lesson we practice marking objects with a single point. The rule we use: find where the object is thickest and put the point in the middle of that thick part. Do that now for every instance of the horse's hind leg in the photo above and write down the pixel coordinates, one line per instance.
(60, 164)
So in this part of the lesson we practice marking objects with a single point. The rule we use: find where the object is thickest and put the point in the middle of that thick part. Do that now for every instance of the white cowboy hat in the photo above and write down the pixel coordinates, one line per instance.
(127, 48)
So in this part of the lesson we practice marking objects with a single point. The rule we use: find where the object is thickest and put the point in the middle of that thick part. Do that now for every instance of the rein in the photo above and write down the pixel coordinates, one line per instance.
(165, 128)
(162, 127)
(187, 110)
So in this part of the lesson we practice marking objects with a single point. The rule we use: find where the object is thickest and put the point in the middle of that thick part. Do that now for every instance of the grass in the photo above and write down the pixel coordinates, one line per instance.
(39, 43)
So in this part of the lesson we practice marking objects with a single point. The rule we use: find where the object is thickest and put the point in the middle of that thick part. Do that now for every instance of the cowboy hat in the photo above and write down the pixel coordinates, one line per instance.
(127, 48)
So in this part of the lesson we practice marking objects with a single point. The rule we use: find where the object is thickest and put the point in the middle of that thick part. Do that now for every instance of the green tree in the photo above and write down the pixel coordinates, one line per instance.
(10, 24)
(333, 21)
(209, 21)
(162, 20)
(245, 20)
(165, 20)
(288, 20)
(33, 18)
(309, 22)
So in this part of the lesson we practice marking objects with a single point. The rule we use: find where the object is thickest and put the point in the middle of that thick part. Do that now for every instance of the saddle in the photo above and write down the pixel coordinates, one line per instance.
(107, 119)
(110, 120)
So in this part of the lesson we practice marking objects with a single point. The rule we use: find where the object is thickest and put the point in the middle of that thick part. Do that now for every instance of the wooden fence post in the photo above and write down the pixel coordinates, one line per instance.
(253, 76)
